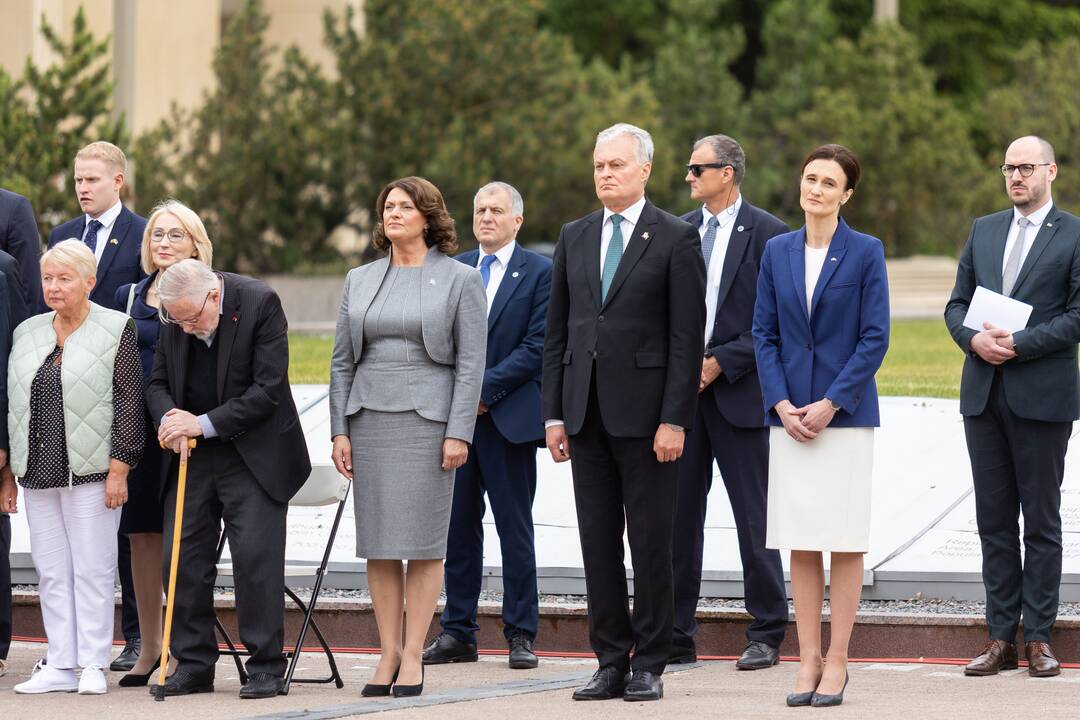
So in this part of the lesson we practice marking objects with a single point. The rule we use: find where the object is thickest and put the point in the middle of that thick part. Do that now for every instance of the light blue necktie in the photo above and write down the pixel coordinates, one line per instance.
(709, 239)
(485, 269)
(614, 255)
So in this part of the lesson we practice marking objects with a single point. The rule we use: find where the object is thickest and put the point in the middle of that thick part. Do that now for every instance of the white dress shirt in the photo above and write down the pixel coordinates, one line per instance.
(497, 269)
(629, 221)
(1036, 218)
(726, 218)
(107, 220)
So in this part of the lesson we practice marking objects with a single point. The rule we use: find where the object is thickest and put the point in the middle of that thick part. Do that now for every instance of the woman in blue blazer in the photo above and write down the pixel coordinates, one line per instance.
(821, 329)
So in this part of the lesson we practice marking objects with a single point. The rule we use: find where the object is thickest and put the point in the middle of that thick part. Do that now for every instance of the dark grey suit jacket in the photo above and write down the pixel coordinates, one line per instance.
(1042, 382)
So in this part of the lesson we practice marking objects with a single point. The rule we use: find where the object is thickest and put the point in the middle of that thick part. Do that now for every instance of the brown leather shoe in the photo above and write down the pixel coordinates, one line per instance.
(996, 656)
(1041, 660)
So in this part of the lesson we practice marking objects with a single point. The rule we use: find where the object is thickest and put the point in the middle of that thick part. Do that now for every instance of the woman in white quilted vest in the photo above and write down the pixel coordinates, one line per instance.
(75, 418)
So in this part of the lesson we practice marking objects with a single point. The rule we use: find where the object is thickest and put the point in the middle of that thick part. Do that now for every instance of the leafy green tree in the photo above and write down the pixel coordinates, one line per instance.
(914, 146)
(422, 93)
(797, 37)
(1042, 100)
(52, 112)
(697, 93)
(258, 160)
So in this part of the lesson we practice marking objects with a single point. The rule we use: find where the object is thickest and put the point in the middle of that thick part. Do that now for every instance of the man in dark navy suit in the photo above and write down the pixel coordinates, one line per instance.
(108, 228)
(729, 425)
(12, 312)
(19, 238)
(115, 235)
(508, 431)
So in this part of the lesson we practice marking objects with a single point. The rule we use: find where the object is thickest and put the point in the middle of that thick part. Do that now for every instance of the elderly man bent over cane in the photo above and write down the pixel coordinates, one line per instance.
(221, 375)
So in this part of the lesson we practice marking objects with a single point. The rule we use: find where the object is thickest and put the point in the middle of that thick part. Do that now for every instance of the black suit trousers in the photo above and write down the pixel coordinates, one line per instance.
(129, 610)
(1017, 466)
(220, 487)
(5, 586)
(618, 482)
(742, 454)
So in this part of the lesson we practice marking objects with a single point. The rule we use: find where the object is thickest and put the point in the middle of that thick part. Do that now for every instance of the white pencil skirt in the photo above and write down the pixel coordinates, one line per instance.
(819, 492)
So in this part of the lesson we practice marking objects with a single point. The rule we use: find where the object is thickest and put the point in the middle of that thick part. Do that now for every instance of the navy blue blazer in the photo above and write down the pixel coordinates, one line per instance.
(13, 310)
(147, 325)
(120, 262)
(836, 351)
(515, 345)
(737, 390)
(19, 238)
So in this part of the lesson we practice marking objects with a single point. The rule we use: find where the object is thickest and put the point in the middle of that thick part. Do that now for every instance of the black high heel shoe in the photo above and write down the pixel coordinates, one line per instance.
(138, 680)
(375, 690)
(401, 691)
(819, 700)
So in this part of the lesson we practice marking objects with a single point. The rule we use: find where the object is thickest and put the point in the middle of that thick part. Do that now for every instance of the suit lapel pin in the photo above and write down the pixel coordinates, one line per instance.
(740, 228)
(832, 259)
(114, 241)
(514, 274)
(235, 317)
(1049, 224)
(644, 236)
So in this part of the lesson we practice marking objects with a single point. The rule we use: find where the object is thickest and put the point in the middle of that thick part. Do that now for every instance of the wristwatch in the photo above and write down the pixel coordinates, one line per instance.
(674, 427)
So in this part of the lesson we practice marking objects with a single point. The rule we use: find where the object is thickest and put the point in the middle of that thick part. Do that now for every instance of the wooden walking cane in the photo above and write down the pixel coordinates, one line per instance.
(174, 561)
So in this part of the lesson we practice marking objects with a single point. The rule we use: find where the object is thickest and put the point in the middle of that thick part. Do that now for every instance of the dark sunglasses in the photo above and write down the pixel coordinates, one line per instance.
(698, 168)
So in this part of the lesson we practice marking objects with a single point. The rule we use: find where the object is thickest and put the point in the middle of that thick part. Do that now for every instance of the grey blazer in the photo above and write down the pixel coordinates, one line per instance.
(1041, 382)
(453, 308)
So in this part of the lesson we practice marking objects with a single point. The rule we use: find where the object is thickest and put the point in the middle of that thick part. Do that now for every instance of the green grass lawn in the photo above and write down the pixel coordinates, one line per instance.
(923, 361)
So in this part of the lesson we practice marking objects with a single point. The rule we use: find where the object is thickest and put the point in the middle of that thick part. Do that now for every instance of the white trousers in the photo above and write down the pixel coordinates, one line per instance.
(73, 543)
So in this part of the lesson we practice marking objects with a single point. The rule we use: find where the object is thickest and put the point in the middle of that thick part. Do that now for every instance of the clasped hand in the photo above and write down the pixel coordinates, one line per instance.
(177, 427)
(994, 345)
(804, 423)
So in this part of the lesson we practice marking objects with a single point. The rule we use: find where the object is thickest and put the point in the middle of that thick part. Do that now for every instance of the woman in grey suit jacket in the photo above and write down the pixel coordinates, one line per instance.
(405, 380)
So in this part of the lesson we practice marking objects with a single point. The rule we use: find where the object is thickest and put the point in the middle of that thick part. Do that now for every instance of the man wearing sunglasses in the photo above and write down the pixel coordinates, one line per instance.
(1019, 396)
(221, 374)
(729, 424)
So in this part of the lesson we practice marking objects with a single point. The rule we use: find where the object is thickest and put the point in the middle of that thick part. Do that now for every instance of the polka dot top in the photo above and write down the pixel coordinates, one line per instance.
(47, 464)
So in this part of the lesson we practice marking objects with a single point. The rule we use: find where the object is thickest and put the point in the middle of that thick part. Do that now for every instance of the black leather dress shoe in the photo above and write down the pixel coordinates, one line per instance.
(682, 654)
(182, 682)
(644, 685)
(446, 648)
(522, 656)
(127, 659)
(758, 655)
(262, 685)
(607, 683)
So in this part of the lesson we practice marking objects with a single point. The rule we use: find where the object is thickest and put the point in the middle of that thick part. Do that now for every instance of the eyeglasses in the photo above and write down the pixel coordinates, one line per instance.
(1025, 170)
(175, 235)
(164, 316)
(698, 168)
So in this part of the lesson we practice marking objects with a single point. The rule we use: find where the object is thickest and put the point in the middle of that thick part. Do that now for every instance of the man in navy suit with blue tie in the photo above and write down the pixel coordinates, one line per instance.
(114, 234)
(509, 428)
(729, 425)
(109, 229)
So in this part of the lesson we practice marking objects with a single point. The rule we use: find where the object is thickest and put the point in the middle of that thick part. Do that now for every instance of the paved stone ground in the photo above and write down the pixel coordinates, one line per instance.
(489, 689)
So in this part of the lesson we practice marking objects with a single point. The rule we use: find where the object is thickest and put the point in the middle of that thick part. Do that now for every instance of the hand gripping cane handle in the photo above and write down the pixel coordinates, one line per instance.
(174, 561)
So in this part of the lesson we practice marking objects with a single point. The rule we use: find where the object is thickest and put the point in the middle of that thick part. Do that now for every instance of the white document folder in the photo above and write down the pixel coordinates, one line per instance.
(998, 310)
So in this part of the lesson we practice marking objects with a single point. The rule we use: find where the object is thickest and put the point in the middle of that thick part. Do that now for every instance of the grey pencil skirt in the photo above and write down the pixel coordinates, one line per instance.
(401, 494)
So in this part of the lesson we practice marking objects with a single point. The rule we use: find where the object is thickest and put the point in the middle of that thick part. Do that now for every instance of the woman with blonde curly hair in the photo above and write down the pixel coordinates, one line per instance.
(405, 379)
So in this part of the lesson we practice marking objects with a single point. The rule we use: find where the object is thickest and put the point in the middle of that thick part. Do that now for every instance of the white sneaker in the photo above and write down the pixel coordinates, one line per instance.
(46, 679)
(92, 681)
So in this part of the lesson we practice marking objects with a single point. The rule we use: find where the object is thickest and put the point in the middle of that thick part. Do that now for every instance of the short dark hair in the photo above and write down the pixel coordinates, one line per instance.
(728, 152)
(842, 156)
(429, 201)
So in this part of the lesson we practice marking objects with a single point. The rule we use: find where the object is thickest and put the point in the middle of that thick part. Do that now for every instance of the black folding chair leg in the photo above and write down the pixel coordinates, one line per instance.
(310, 622)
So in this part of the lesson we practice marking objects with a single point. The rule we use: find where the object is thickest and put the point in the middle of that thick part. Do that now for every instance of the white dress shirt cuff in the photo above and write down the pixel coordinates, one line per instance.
(552, 423)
